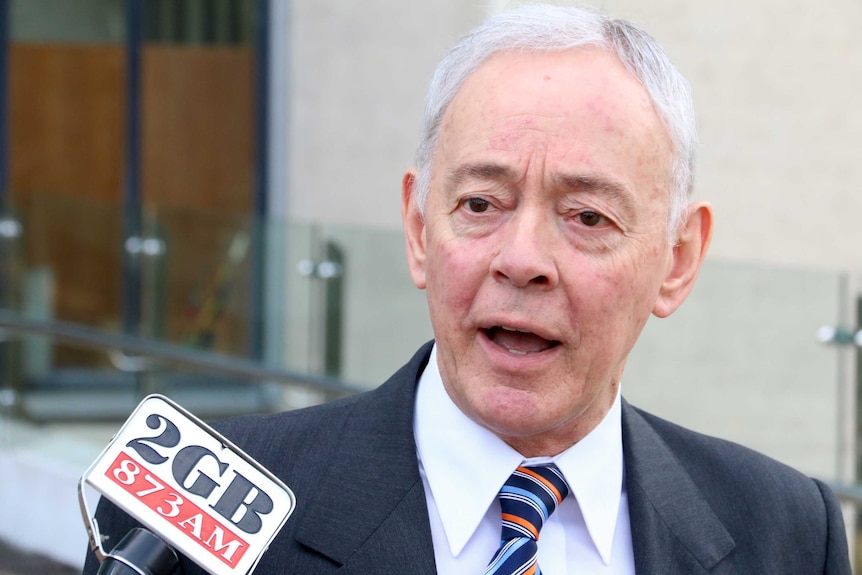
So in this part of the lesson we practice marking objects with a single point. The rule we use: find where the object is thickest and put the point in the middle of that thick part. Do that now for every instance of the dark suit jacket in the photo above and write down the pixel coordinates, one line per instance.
(697, 504)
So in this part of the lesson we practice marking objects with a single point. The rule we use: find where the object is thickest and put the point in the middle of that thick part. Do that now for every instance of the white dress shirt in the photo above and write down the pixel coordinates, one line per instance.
(463, 467)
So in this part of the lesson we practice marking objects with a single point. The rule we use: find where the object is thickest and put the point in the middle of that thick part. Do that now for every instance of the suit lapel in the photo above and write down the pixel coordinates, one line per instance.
(369, 512)
(674, 529)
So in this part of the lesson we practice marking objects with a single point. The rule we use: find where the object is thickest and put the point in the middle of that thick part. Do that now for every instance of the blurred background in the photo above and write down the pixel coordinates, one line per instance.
(202, 198)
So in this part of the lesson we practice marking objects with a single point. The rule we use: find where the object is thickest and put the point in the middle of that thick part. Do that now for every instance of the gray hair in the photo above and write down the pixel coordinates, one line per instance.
(546, 28)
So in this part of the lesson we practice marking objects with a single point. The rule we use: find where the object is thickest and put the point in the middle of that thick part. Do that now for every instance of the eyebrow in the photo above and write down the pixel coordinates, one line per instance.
(479, 171)
(614, 190)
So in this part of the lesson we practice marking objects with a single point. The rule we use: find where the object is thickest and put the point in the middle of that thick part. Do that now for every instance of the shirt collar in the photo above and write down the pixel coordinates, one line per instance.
(465, 466)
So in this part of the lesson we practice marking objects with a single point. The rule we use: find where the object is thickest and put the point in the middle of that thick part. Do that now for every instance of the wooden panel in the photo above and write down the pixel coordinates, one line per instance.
(66, 170)
(67, 107)
(80, 242)
(198, 122)
(197, 166)
(66, 119)
(67, 112)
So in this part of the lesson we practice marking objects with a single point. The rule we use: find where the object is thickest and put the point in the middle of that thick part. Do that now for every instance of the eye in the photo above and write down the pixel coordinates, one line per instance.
(477, 205)
(590, 219)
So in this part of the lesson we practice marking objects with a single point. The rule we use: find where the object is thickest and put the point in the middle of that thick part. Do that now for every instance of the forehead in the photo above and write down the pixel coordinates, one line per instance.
(580, 108)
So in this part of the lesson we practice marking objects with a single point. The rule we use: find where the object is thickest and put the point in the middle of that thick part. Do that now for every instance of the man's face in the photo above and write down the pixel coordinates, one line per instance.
(543, 245)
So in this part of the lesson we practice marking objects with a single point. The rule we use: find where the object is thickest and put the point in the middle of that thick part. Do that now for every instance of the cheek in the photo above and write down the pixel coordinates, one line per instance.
(455, 273)
(612, 296)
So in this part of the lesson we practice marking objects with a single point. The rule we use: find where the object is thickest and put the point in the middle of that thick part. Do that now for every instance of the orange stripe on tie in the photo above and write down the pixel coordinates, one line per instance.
(532, 570)
(523, 523)
(543, 481)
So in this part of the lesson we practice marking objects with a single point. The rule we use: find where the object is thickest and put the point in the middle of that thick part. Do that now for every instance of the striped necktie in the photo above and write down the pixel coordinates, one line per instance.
(527, 499)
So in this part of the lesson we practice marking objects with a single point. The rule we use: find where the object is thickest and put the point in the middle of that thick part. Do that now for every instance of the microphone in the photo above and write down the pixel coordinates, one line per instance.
(194, 491)
(139, 553)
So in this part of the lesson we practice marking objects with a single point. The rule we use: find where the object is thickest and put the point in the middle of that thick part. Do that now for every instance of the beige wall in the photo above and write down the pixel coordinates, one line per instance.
(359, 72)
(776, 86)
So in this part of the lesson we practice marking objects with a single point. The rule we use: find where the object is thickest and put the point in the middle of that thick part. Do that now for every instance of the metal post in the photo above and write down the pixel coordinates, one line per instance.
(845, 336)
(5, 250)
(856, 314)
(4, 105)
(845, 460)
(7, 399)
(332, 273)
(131, 280)
(257, 293)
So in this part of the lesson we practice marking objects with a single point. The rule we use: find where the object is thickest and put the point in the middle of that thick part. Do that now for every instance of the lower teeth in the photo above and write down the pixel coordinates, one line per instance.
(516, 351)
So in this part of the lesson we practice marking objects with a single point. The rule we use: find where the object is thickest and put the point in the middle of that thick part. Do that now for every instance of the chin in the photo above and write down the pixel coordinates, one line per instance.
(514, 412)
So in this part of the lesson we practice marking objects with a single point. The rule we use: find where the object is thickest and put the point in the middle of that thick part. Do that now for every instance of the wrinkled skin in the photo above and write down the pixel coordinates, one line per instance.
(543, 245)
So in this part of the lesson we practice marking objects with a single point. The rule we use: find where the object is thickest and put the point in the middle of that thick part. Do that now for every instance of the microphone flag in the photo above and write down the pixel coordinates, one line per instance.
(190, 486)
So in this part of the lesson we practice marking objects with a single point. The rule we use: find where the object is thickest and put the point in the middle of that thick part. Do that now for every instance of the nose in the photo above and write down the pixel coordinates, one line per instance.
(525, 255)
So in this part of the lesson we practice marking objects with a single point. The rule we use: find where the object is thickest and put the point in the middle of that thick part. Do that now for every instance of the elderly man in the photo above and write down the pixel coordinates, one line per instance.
(547, 218)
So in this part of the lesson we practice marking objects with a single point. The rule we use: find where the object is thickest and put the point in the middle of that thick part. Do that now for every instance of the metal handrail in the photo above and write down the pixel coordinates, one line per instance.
(167, 353)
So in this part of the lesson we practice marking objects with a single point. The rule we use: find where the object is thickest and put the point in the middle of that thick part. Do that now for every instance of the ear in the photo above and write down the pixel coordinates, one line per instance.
(688, 255)
(414, 229)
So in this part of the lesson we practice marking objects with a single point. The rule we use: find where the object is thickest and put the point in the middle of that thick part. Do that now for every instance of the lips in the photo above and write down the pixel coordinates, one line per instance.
(519, 342)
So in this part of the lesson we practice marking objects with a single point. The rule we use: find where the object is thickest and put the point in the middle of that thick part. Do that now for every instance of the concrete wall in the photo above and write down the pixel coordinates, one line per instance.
(776, 88)
(359, 72)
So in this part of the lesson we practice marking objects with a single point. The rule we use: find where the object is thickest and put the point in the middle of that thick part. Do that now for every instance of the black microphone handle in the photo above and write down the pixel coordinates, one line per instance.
(140, 552)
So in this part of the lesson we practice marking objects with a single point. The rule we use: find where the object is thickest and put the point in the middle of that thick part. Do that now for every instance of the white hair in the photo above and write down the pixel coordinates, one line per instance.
(546, 28)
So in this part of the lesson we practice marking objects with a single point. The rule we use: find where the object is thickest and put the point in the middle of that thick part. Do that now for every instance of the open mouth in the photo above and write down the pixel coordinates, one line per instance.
(519, 342)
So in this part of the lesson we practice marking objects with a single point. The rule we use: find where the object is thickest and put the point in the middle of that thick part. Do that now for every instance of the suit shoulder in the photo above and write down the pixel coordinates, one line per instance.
(249, 429)
(777, 517)
(702, 449)
(301, 433)
(721, 467)
(298, 443)
(318, 426)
